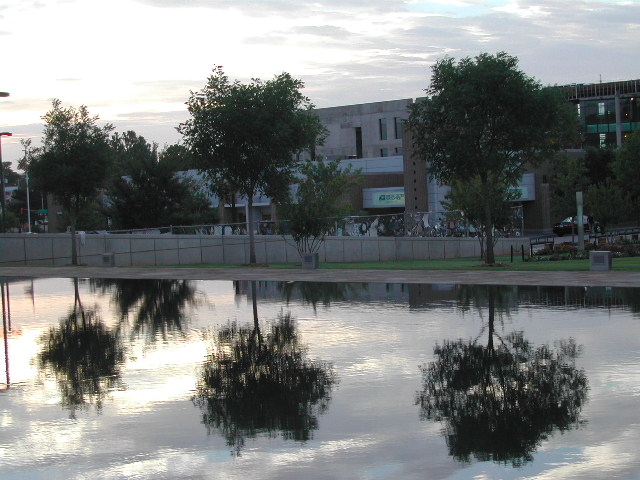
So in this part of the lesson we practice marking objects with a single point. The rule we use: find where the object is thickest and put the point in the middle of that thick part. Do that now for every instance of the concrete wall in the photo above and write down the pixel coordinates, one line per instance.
(128, 250)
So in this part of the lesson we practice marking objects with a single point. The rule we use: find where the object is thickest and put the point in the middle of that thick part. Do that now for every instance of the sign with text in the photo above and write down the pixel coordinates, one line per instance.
(383, 197)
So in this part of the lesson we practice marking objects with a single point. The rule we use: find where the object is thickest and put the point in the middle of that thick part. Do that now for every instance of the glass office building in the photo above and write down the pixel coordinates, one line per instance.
(609, 112)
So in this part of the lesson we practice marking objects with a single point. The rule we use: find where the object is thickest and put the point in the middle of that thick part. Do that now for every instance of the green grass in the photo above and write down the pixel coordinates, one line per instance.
(628, 264)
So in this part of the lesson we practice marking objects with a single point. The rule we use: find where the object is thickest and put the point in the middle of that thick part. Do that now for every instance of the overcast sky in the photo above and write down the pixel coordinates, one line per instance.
(133, 62)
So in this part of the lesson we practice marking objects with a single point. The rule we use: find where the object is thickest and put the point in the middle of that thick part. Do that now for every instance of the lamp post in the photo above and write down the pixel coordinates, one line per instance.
(2, 94)
(2, 134)
(28, 202)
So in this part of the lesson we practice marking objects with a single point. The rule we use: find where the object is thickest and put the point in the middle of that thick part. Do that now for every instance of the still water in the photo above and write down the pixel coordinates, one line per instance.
(160, 379)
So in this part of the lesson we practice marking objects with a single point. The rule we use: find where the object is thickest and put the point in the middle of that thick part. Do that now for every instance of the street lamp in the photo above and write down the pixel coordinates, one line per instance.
(2, 94)
(2, 134)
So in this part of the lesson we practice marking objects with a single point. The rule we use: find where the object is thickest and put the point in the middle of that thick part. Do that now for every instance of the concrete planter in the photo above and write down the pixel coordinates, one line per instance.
(600, 260)
(310, 260)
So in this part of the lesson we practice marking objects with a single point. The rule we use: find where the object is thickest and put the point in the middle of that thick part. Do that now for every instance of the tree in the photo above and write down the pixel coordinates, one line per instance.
(318, 201)
(598, 163)
(178, 156)
(570, 176)
(148, 192)
(608, 203)
(29, 153)
(465, 196)
(246, 137)
(483, 118)
(626, 167)
(74, 161)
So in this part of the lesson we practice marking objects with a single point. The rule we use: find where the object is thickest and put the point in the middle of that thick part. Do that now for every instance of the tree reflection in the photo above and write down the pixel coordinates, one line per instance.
(84, 356)
(499, 402)
(157, 305)
(317, 292)
(255, 383)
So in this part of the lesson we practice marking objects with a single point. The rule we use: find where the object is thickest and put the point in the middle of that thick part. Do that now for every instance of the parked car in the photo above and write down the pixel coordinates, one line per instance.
(570, 225)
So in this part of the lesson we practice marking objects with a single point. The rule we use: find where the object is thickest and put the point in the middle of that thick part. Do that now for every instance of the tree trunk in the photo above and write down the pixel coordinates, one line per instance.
(252, 240)
(234, 211)
(488, 224)
(254, 302)
(74, 250)
(492, 317)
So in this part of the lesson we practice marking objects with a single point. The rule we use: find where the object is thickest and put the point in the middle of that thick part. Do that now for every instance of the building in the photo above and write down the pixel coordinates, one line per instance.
(372, 137)
(369, 137)
(609, 112)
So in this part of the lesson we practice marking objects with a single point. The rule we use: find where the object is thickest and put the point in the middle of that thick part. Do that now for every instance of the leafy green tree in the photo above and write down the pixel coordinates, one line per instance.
(74, 161)
(570, 176)
(484, 118)
(465, 196)
(598, 164)
(247, 137)
(626, 168)
(148, 192)
(178, 156)
(10, 177)
(320, 198)
(608, 203)
(129, 149)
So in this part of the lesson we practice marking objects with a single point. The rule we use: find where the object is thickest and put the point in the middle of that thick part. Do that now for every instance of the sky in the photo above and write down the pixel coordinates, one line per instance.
(134, 62)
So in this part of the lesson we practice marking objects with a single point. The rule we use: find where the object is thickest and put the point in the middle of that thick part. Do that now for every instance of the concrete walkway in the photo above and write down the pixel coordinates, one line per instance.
(497, 277)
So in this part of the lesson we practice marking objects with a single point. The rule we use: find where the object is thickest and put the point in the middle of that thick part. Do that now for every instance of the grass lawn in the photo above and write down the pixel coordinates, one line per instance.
(628, 264)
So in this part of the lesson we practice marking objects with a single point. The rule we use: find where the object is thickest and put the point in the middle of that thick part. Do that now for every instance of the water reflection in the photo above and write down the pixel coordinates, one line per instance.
(320, 292)
(499, 402)
(261, 383)
(6, 331)
(157, 306)
(84, 356)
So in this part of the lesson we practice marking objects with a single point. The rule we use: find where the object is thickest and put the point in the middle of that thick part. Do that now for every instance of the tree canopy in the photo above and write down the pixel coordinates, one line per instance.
(147, 191)
(318, 201)
(246, 136)
(74, 161)
(482, 120)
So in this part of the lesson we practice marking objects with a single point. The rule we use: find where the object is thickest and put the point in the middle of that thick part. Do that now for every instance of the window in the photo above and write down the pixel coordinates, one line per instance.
(384, 152)
(358, 142)
(399, 151)
(398, 127)
(601, 109)
(382, 123)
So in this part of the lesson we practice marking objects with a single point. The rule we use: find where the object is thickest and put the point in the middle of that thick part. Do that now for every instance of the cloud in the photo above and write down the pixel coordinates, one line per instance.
(287, 7)
(328, 31)
(345, 52)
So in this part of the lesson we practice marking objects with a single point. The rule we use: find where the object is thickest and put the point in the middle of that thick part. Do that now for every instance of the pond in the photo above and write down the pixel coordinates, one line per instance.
(166, 379)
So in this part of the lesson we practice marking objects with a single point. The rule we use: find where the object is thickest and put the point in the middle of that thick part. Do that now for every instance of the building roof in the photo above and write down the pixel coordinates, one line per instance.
(579, 91)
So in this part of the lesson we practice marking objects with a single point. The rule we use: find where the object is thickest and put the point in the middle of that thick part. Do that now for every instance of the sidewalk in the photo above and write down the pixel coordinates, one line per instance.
(572, 279)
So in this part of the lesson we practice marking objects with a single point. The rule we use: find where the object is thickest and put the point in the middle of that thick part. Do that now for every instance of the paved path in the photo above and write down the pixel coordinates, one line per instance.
(497, 277)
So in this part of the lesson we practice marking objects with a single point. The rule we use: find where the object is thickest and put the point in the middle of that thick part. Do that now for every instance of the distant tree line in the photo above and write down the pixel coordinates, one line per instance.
(609, 179)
